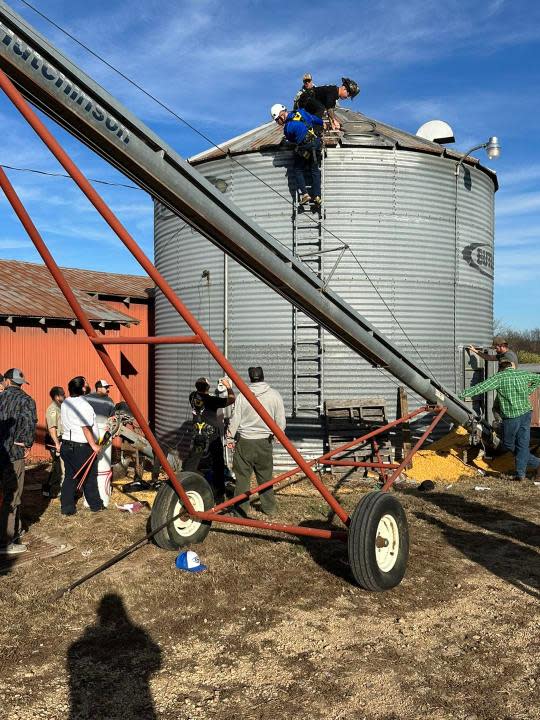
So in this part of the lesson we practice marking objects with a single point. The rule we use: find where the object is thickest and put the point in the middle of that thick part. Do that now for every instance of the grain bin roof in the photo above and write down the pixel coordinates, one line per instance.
(29, 291)
(359, 131)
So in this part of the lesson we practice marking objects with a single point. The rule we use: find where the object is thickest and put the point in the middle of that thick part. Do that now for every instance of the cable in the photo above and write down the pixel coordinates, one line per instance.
(62, 175)
(225, 153)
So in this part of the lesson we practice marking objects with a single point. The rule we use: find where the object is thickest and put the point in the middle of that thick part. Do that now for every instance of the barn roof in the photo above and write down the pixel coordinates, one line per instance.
(28, 290)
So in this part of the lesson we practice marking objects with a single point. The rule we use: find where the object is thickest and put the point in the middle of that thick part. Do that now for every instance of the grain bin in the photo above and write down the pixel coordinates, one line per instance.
(418, 265)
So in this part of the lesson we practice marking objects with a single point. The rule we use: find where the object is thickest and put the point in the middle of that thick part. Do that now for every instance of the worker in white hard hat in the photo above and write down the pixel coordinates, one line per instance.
(299, 129)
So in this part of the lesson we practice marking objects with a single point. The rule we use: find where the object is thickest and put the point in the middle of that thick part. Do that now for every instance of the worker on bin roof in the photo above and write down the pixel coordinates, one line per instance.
(307, 84)
(299, 128)
(321, 99)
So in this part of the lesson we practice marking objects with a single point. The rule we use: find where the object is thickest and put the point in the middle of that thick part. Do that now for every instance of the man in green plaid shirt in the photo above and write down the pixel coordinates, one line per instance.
(513, 390)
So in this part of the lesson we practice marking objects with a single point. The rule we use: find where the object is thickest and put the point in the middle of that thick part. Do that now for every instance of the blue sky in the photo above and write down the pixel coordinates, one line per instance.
(221, 64)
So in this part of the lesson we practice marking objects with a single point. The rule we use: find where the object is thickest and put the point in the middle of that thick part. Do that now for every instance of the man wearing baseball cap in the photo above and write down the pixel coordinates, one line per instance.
(502, 352)
(18, 420)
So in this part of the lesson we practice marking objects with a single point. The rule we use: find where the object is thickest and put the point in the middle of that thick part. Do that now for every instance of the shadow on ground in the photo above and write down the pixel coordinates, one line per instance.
(507, 557)
(110, 666)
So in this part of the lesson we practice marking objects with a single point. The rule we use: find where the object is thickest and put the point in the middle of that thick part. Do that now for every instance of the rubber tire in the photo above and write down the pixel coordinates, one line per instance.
(361, 542)
(167, 505)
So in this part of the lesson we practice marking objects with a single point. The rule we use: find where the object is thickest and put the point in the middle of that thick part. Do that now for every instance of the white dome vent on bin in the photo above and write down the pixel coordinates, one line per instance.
(436, 131)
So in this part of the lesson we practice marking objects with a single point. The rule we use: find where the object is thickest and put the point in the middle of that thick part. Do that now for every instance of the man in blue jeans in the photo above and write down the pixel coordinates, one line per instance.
(513, 390)
(303, 130)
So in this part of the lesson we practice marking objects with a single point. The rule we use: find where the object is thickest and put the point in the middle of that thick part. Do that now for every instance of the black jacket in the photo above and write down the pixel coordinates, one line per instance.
(18, 420)
(319, 99)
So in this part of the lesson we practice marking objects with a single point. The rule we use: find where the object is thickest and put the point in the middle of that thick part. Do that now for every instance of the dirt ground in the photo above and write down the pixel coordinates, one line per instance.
(276, 628)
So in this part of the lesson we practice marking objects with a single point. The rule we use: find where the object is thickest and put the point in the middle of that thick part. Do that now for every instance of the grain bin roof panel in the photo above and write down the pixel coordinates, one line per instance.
(372, 133)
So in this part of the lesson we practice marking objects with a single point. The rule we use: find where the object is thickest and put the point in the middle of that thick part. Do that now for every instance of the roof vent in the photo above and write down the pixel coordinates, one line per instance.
(436, 131)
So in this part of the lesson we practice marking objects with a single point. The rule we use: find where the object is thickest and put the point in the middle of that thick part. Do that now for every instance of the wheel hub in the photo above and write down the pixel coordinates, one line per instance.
(387, 543)
(185, 525)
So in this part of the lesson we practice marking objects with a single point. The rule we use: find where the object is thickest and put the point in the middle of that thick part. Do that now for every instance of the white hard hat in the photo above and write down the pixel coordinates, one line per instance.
(276, 109)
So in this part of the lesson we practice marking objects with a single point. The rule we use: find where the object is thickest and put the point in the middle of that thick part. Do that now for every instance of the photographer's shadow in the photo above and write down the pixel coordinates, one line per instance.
(110, 667)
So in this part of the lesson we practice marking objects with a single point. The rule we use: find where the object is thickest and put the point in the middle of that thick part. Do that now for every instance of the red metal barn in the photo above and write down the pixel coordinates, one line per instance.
(39, 334)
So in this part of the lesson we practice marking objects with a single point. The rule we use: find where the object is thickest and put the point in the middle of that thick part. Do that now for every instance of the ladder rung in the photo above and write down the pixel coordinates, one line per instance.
(308, 375)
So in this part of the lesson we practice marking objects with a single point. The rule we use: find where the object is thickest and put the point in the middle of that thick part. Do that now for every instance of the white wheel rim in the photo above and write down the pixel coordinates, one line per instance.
(387, 543)
(188, 526)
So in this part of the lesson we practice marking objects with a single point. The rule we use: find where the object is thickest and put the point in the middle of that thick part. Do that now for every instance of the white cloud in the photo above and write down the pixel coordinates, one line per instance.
(520, 175)
(517, 236)
(518, 203)
(14, 244)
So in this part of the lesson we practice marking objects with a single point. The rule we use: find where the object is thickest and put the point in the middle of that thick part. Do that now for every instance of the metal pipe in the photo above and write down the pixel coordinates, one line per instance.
(157, 340)
(30, 116)
(62, 283)
(277, 527)
(116, 558)
(388, 484)
(322, 460)
(352, 463)
(226, 305)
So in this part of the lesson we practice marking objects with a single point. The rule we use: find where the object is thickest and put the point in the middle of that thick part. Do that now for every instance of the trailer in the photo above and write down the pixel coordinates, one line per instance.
(33, 71)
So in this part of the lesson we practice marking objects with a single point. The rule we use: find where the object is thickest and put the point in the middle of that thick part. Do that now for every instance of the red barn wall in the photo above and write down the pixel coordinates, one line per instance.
(51, 355)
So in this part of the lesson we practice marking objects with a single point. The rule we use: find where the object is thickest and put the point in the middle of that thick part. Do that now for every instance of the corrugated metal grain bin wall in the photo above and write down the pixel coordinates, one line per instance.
(412, 275)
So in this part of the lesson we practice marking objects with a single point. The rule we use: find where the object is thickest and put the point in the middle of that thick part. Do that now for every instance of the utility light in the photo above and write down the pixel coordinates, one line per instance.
(493, 149)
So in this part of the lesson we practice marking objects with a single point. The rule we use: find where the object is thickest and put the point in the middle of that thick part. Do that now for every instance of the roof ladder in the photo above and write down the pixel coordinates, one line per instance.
(307, 335)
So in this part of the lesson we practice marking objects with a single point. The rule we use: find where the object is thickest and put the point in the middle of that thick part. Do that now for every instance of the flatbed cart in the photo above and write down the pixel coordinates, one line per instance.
(32, 69)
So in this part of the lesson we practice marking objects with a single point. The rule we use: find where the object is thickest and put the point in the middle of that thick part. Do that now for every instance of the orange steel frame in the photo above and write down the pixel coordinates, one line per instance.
(389, 471)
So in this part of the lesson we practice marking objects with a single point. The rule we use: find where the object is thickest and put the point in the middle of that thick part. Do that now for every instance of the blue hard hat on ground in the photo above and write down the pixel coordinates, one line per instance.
(189, 562)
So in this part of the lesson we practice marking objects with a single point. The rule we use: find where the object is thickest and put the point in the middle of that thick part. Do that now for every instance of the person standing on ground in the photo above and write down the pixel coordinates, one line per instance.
(208, 432)
(78, 444)
(513, 390)
(53, 440)
(299, 129)
(103, 406)
(254, 441)
(502, 352)
(17, 428)
(322, 99)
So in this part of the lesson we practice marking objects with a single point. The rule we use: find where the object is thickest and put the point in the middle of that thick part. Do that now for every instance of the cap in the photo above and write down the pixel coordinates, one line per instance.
(190, 562)
(16, 376)
(307, 77)
(103, 384)
(500, 340)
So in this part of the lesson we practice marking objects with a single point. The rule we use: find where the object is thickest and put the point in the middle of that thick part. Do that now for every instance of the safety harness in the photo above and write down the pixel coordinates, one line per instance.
(310, 137)
(203, 432)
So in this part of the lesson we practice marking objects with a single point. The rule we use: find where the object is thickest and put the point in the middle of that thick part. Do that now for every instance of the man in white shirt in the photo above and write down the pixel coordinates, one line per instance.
(253, 451)
(78, 444)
